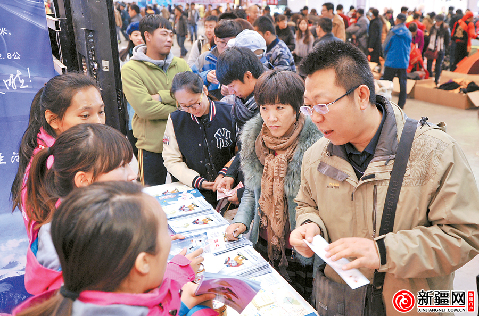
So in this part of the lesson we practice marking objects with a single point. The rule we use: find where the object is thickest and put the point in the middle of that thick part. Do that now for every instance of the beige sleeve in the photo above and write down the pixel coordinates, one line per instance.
(173, 159)
(306, 208)
(452, 237)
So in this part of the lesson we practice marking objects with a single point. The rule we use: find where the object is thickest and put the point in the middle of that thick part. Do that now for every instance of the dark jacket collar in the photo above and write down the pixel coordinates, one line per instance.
(211, 114)
(273, 44)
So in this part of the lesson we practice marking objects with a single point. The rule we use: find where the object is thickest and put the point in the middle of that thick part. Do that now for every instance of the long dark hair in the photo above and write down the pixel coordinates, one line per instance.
(126, 51)
(307, 33)
(98, 232)
(56, 97)
(95, 148)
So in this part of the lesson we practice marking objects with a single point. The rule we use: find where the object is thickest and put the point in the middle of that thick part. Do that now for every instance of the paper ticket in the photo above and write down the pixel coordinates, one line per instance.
(354, 278)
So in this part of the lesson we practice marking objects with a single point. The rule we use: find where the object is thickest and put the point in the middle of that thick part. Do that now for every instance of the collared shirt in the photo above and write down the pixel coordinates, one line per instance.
(360, 160)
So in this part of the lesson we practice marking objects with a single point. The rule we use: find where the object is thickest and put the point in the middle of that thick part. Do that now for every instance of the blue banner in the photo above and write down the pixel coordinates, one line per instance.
(25, 65)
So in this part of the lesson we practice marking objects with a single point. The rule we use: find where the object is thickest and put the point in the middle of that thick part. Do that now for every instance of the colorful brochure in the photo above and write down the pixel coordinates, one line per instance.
(204, 220)
(233, 291)
(184, 204)
(243, 262)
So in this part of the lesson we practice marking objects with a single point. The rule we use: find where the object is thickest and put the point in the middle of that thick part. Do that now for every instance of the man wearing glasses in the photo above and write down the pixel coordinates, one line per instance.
(345, 177)
(146, 82)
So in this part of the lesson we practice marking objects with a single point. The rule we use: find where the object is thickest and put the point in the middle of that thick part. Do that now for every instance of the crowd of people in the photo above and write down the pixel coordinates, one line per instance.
(411, 39)
(282, 111)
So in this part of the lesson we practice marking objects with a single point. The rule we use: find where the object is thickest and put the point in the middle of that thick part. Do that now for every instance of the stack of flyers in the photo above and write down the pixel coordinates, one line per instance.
(212, 241)
(166, 189)
(243, 262)
(232, 291)
(354, 278)
(184, 204)
(204, 220)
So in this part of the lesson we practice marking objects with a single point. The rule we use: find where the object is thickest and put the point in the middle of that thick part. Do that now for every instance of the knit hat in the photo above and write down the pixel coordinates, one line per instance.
(402, 17)
(250, 39)
(134, 26)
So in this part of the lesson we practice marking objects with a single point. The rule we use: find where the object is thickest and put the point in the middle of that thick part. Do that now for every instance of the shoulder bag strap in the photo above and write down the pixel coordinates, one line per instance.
(395, 184)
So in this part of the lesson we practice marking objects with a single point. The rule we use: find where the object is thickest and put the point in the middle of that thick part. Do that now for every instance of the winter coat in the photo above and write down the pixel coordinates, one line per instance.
(326, 39)
(253, 172)
(442, 38)
(339, 30)
(203, 65)
(164, 300)
(287, 36)
(360, 30)
(200, 46)
(194, 151)
(397, 47)
(301, 49)
(436, 226)
(39, 279)
(141, 79)
(375, 34)
(279, 55)
(418, 39)
(181, 27)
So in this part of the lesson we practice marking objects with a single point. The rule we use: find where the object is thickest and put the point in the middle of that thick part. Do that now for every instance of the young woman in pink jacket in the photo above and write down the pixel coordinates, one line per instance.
(113, 245)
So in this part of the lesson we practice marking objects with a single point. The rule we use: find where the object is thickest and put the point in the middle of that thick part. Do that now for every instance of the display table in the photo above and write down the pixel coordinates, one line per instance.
(204, 228)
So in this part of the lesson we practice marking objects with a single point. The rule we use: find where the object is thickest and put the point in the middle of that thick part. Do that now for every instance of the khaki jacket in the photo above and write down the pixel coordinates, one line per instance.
(339, 30)
(436, 228)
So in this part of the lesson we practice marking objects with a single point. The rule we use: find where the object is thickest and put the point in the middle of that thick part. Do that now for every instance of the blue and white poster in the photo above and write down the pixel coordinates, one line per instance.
(25, 66)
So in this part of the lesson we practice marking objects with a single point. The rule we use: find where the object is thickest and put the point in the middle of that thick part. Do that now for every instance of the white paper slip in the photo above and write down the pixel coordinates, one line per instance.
(354, 278)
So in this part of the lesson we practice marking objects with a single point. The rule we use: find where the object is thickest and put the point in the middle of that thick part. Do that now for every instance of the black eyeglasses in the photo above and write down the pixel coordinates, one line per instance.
(323, 108)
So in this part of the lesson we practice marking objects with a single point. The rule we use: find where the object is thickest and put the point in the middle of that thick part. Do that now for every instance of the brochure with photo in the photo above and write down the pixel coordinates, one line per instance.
(204, 220)
(233, 291)
(184, 204)
(244, 262)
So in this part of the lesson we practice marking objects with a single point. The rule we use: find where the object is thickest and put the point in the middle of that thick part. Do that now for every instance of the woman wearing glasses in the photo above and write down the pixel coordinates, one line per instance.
(273, 144)
(199, 139)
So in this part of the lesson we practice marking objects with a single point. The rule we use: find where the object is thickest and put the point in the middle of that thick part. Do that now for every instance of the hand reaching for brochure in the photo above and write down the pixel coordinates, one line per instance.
(363, 249)
(306, 231)
(189, 298)
(234, 230)
(194, 257)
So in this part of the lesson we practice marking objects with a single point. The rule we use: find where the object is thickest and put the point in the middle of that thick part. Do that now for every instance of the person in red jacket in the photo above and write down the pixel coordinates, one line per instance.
(419, 24)
(462, 33)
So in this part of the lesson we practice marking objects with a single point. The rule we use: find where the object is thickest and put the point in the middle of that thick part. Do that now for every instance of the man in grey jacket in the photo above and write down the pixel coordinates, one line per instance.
(358, 32)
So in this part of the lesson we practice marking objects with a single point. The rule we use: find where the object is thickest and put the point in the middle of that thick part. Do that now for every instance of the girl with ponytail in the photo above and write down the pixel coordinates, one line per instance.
(81, 155)
(113, 245)
(63, 102)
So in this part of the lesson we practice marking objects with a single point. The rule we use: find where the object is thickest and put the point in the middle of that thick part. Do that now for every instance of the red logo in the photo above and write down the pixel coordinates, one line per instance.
(404, 301)
(470, 301)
